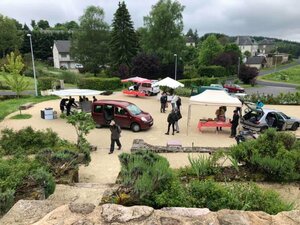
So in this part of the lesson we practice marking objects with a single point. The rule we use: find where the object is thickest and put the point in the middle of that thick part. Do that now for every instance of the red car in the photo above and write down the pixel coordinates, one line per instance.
(125, 114)
(234, 88)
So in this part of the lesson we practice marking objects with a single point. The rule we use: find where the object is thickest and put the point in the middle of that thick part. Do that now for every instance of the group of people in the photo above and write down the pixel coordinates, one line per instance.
(220, 116)
(175, 114)
(66, 104)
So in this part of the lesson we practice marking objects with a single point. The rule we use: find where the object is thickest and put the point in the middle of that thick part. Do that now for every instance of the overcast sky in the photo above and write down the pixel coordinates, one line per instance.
(270, 18)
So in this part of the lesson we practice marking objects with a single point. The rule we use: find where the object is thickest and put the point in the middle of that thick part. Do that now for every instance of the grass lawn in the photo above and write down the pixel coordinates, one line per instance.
(21, 116)
(280, 66)
(12, 105)
(291, 75)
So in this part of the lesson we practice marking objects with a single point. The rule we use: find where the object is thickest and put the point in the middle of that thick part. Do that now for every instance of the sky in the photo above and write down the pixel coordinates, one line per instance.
(269, 18)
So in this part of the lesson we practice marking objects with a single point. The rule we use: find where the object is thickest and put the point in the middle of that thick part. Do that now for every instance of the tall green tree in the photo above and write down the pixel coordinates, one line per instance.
(124, 41)
(163, 30)
(43, 24)
(209, 50)
(10, 36)
(90, 42)
(14, 79)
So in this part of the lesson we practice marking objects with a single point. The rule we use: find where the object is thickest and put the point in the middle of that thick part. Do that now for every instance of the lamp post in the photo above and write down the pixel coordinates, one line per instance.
(175, 55)
(33, 67)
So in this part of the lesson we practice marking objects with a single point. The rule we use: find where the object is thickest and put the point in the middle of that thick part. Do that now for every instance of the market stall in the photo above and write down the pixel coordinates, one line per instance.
(212, 98)
(142, 87)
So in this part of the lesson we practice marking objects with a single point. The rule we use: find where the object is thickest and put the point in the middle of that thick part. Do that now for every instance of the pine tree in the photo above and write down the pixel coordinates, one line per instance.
(123, 37)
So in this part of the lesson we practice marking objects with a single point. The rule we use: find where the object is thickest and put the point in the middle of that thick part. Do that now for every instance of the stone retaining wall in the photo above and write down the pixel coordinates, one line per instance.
(139, 144)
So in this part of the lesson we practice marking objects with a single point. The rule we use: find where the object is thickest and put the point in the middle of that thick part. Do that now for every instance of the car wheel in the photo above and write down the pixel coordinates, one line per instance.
(263, 129)
(135, 127)
(295, 126)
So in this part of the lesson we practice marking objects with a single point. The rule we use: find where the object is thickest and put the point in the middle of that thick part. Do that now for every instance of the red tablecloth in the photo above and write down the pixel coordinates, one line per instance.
(134, 93)
(213, 124)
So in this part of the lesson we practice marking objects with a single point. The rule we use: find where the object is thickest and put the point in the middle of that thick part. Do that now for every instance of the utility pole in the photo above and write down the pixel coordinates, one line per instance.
(175, 55)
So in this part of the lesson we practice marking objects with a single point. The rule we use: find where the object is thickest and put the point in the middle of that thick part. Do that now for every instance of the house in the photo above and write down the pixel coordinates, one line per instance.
(189, 41)
(257, 62)
(61, 55)
(266, 46)
(247, 43)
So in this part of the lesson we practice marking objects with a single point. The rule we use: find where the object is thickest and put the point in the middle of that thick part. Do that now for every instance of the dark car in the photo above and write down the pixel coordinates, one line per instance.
(125, 114)
(234, 88)
(260, 119)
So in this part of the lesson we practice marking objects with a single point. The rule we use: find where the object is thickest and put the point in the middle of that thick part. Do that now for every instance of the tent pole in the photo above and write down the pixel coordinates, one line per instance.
(188, 120)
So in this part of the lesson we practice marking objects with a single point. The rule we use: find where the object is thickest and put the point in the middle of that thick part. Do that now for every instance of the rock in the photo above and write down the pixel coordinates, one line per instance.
(169, 221)
(29, 211)
(117, 213)
(83, 222)
(188, 212)
(83, 208)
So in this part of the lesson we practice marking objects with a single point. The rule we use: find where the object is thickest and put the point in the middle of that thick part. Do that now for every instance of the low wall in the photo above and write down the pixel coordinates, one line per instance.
(139, 144)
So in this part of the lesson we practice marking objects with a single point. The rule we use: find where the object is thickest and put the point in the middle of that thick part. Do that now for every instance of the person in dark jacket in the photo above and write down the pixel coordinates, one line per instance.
(172, 118)
(163, 102)
(234, 123)
(62, 104)
(115, 136)
(70, 103)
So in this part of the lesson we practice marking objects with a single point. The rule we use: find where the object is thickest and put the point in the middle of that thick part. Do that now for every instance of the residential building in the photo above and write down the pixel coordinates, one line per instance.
(266, 46)
(258, 62)
(189, 41)
(61, 55)
(247, 43)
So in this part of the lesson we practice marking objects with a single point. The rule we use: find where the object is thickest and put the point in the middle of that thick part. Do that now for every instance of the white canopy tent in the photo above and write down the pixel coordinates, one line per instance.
(76, 92)
(169, 82)
(213, 98)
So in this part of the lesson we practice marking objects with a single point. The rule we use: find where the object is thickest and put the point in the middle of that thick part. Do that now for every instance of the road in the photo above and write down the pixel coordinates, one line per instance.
(277, 84)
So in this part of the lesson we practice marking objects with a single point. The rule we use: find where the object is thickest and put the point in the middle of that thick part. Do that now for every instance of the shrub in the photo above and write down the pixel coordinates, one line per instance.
(202, 81)
(282, 98)
(69, 77)
(235, 196)
(26, 140)
(100, 83)
(274, 154)
(3, 86)
(203, 166)
(146, 173)
(45, 83)
(6, 200)
(212, 71)
(44, 179)
(184, 92)
(248, 74)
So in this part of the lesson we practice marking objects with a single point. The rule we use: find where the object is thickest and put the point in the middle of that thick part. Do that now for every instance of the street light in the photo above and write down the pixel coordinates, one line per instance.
(33, 67)
(175, 55)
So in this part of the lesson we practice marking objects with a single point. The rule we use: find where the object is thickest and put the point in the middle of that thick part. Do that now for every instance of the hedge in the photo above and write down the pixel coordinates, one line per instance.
(212, 71)
(203, 81)
(96, 83)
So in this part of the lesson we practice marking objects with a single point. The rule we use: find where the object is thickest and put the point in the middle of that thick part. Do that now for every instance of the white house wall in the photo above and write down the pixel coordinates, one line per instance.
(55, 57)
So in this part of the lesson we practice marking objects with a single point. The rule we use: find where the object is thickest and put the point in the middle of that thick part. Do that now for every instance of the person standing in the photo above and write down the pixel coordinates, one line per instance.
(62, 104)
(172, 118)
(178, 103)
(94, 99)
(70, 103)
(115, 136)
(163, 102)
(173, 101)
(234, 123)
(179, 116)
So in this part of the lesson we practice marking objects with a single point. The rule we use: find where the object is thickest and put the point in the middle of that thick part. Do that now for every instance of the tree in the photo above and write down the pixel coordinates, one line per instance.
(83, 124)
(15, 80)
(43, 24)
(10, 37)
(247, 54)
(89, 44)
(145, 64)
(209, 50)
(33, 24)
(124, 41)
(163, 31)
(248, 74)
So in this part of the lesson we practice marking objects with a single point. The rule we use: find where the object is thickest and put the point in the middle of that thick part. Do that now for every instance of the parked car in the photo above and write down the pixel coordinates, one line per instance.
(261, 119)
(234, 88)
(125, 114)
(78, 66)
(148, 88)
